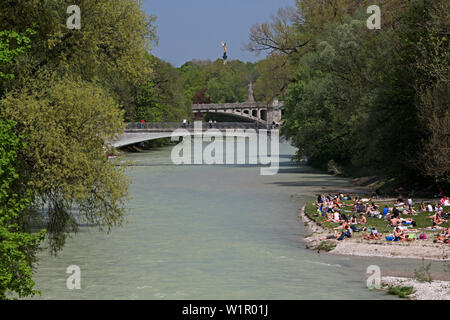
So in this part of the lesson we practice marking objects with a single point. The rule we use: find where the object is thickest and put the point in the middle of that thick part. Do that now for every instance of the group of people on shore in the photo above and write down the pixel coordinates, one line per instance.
(331, 207)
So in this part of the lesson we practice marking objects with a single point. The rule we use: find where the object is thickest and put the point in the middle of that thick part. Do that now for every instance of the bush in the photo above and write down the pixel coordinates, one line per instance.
(326, 246)
(401, 291)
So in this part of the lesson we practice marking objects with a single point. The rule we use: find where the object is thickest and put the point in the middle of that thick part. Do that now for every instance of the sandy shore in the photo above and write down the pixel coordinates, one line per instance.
(435, 290)
(358, 247)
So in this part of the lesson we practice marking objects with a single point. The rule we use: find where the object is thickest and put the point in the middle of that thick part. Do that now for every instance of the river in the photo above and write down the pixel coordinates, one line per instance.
(210, 232)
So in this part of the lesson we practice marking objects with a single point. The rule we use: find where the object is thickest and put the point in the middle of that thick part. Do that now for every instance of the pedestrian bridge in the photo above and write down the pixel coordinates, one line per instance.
(141, 132)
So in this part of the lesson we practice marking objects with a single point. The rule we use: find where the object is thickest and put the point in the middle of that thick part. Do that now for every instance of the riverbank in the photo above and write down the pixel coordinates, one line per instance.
(435, 290)
(370, 248)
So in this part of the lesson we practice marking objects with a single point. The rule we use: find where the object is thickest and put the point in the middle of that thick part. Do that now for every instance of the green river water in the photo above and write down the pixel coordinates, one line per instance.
(210, 232)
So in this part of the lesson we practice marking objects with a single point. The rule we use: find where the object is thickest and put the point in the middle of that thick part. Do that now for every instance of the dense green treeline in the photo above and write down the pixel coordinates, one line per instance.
(367, 101)
(206, 81)
(169, 94)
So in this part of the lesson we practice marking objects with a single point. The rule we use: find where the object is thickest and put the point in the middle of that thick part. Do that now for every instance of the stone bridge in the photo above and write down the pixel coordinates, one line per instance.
(258, 112)
(250, 110)
(141, 132)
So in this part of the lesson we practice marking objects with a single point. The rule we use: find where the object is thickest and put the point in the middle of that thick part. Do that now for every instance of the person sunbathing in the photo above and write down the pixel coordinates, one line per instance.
(423, 208)
(411, 210)
(362, 219)
(343, 225)
(329, 216)
(331, 236)
(394, 222)
(334, 217)
(446, 202)
(337, 202)
(347, 232)
(339, 236)
(408, 221)
(374, 235)
(437, 219)
(440, 238)
(399, 235)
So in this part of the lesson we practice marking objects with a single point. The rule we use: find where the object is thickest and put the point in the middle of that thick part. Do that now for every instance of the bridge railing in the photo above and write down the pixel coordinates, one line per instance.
(205, 125)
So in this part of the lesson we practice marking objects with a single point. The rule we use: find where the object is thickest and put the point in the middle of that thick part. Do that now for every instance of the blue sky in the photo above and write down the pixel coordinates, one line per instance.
(194, 29)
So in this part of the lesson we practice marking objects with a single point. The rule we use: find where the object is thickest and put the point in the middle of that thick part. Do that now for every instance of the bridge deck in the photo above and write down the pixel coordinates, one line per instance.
(170, 126)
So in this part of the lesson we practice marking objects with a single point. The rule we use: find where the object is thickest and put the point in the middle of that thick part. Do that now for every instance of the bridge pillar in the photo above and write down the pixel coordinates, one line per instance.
(275, 112)
(198, 116)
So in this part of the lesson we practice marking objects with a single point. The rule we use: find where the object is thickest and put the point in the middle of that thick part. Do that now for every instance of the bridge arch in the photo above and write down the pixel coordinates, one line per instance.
(246, 115)
(263, 114)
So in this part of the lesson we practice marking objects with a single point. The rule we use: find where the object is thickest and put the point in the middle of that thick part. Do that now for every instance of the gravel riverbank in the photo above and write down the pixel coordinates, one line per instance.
(435, 290)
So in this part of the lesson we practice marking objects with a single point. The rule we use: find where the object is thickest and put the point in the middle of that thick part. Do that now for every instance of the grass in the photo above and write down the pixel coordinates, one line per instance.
(401, 291)
(422, 218)
(326, 246)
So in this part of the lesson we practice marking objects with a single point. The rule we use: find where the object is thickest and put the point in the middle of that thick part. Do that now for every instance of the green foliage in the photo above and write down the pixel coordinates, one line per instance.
(373, 99)
(214, 82)
(67, 122)
(434, 93)
(11, 45)
(17, 247)
(162, 98)
(111, 48)
(326, 246)
(273, 77)
(193, 80)
(226, 87)
(401, 291)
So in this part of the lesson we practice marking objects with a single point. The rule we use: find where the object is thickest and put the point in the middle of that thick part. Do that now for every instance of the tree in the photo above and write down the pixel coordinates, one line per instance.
(214, 82)
(433, 63)
(68, 123)
(66, 98)
(281, 35)
(226, 87)
(193, 80)
(435, 114)
(373, 101)
(111, 48)
(162, 98)
(274, 75)
(11, 45)
(17, 246)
